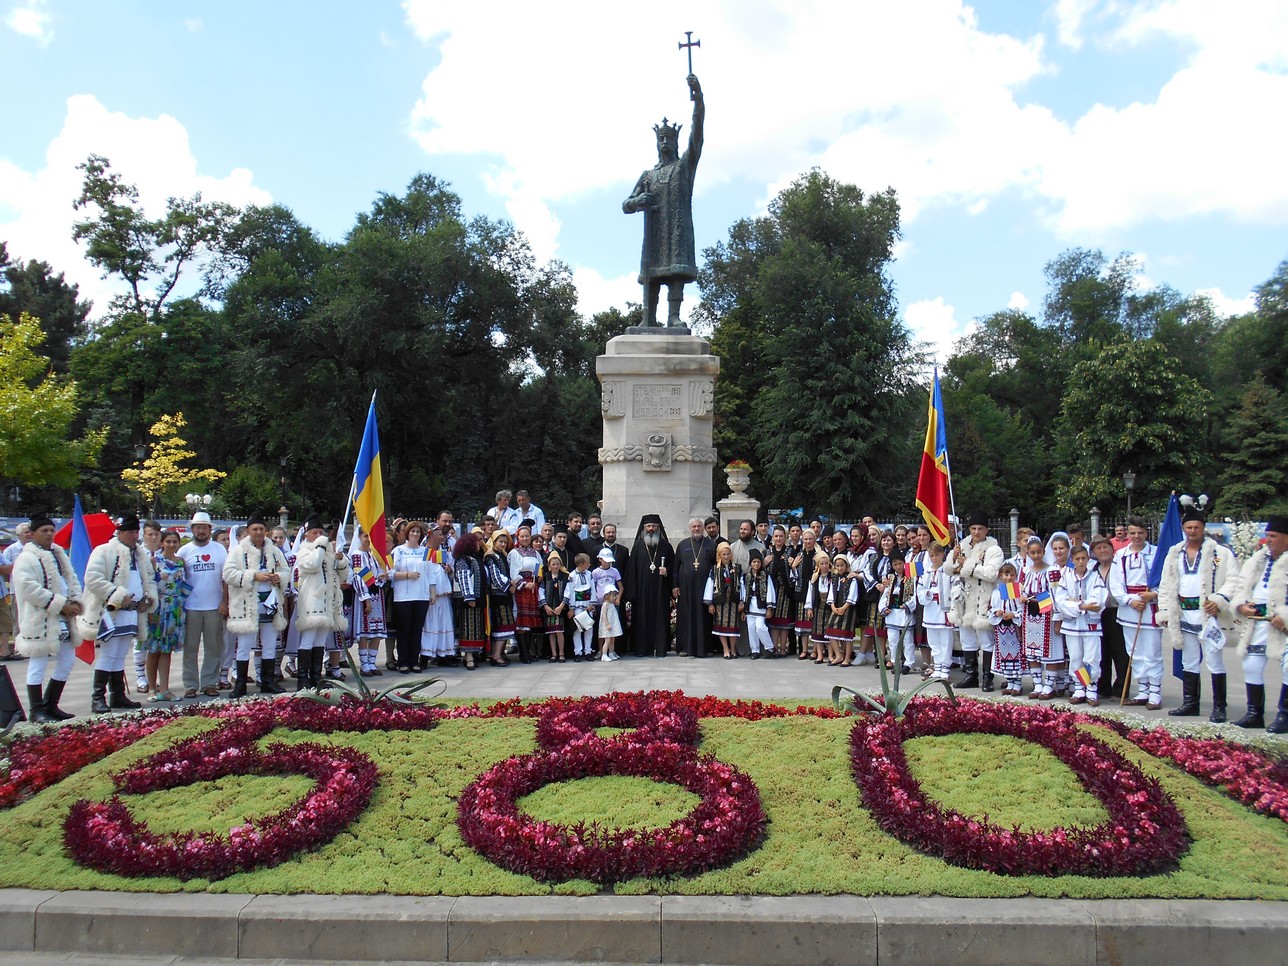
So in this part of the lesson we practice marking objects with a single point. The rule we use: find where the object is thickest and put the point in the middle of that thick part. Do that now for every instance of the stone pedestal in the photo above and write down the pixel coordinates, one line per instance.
(737, 506)
(658, 394)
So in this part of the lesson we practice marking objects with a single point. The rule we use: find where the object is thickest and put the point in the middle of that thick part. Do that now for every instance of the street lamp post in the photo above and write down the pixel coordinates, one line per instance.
(1015, 531)
(198, 501)
(1129, 481)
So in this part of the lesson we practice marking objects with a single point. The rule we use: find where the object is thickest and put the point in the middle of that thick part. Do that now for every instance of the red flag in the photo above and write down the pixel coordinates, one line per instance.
(932, 484)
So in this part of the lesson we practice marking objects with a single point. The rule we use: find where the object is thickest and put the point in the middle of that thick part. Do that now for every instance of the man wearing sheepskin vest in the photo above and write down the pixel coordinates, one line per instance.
(1262, 602)
(975, 561)
(47, 595)
(257, 575)
(120, 590)
(319, 605)
(1199, 578)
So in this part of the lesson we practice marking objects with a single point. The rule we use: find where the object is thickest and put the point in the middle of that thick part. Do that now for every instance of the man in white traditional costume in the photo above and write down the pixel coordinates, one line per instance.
(257, 576)
(1199, 578)
(975, 561)
(47, 598)
(1262, 602)
(120, 591)
(1129, 583)
(319, 606)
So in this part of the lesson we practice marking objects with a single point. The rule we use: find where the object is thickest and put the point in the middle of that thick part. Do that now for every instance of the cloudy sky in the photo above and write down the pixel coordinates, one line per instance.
(1011, 129)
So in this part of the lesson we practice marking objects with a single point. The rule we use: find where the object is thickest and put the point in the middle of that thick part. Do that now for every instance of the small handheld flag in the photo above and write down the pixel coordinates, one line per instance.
(918, 568)
(1045, 602)
(367, 576)
(1083, 676)
(80, 551)
(1010, 590)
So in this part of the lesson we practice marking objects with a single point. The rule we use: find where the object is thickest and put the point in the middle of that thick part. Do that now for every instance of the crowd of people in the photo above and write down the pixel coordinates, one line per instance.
(1073, 616)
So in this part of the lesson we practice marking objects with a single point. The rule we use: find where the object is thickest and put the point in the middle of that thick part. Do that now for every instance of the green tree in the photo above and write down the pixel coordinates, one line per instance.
(821, 400)
(1253, 481)
(162, 470)
(33, 288)
(37, 409)
(1129, 407)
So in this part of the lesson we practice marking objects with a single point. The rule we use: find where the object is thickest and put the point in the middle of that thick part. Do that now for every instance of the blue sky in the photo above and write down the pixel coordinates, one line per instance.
(1011, 129)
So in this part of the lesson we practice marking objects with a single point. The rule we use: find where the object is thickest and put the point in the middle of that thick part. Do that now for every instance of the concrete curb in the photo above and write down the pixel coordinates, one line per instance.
(811, 930)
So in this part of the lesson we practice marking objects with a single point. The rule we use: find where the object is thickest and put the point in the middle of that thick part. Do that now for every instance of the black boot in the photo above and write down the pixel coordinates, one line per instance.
(317, 668)
(98, 694)
(986, 677)
(267, 676)
(1256, 716)
(36, 714)
(1277, 727)
(1191, 687)
(118, 701)
(243, 672)
(53, 694)
(303, 672)
(525, 652)
(970, 661)
(1218, 699)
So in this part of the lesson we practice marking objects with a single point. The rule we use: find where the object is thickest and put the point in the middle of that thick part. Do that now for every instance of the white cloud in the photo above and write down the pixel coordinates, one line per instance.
(935, 323)
(33, 20)
(1069, 16)
(1018, 301)
(36, 213)
(597, 294)
(1226, 306)
(194, 25)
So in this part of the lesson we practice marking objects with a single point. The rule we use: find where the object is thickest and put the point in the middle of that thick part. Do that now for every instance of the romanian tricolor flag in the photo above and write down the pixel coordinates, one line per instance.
(367, 575)
(918, 568)
(369, 489)
(1010, 590)
(1045, 601)
(932, 483)
(1083, 676)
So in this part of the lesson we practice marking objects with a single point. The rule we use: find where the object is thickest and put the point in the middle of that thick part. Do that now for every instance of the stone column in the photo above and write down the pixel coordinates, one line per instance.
(657, 457)
(737, 506)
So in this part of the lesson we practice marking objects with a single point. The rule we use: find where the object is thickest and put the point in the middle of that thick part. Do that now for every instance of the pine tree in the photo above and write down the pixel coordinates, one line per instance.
(1252, 483)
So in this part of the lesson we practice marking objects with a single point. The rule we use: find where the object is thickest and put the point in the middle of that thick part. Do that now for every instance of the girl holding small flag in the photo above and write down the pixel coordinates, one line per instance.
(936, 591)
(1080, 600)
(897, 607)
(438, 636)
(367, 626)
(554, 606)
(1006, 614)
(1043, 647)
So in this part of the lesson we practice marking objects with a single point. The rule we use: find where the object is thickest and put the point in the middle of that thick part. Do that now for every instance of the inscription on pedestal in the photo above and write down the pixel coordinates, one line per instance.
(656, 402)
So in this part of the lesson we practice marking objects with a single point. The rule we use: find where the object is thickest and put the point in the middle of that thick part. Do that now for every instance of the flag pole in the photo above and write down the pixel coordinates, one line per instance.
(948, 470)
(353, 484)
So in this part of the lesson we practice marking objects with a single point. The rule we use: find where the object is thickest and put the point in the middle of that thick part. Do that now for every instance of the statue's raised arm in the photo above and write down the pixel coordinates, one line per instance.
(664, 193)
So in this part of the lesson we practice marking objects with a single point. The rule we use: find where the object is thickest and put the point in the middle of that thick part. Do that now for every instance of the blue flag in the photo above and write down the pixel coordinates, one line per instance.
(1168, 536)
(80, 547)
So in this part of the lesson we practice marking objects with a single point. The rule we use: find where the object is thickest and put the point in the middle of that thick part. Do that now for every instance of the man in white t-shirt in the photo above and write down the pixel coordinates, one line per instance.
(206, 608)
(527, 511)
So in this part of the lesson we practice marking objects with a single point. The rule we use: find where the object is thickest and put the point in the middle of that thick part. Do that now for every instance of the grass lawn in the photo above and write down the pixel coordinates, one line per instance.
(819, 837)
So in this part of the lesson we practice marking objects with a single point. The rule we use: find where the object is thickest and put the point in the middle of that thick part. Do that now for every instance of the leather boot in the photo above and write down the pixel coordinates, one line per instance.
(118, 701)
(970, 659)
(1191, 686)
(986, 675)
(243, 672)
(98, 694)
(1280, 725)
(53, 694)
(36, 714)
(317, 669)
(1256, 716)
(267, 678)
(524, 655)
(303, 675)
(1218, 699)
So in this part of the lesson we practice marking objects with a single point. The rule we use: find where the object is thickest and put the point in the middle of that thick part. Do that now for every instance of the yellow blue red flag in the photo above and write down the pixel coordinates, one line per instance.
(932, 483)
(369, 488)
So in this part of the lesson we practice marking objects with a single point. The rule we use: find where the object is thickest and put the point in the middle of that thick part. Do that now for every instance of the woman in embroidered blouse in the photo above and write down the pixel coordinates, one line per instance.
(411, 595)
(167, 621)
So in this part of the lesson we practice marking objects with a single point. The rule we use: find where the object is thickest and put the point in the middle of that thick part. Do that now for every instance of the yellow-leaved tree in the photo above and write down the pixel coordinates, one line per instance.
(163, 467)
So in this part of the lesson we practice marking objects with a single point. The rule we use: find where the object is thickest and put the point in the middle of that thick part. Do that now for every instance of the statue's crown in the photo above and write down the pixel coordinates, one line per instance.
(665, 131)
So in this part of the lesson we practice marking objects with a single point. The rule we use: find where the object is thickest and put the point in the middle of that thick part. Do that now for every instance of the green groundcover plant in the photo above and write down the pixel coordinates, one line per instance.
(270, 797)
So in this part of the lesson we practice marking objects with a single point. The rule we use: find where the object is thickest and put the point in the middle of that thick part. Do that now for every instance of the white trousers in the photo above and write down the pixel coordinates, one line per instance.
(974, 639)
(37, 666)
(111, 654)
(265, 635)
(758, 636)
(1194, 654)
(1147, 664)
(316, 637)
(940, 640)
(1083, 650)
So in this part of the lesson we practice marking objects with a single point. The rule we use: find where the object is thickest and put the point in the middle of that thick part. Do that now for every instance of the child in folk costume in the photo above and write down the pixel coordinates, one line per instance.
(778, 567)
(469, 598)
(580, 596)
(554, 607)
(816, 598)
(367, 626)
(1043, 647)
(803, 569)
(1058, 549)
(500, 596)
(723, 597)
(897, 608)
(1137, 613)
(525, 575)
(1080, 598)
(608, 591)
(437, 636)
(760, 598)
(843, 610)
(1006, 614)
(935, 591)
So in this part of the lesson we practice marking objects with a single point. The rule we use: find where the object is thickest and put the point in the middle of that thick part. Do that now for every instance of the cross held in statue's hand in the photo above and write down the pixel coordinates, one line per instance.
(689, 43)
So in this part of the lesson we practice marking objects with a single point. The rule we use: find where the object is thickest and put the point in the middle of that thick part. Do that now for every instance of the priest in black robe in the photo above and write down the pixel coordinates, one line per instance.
(648, 578)
(694, 558)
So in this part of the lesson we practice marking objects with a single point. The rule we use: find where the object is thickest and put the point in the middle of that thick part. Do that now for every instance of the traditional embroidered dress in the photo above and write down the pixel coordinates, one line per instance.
(801, 581)
(500, 601)
(819, 593)
(840, 627)
(724, 590)
(1009, 659)
(525, 572)
(780, 575)
(469, 588)
(873, 618)
(1042, 645)
(1080, 628)
(367, 625)
(898, 607)
(551, 594)
(438, 636)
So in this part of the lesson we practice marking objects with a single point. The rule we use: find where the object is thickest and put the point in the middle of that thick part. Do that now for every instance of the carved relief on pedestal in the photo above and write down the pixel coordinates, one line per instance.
(613, 400)
(657, 453)
(702, 397)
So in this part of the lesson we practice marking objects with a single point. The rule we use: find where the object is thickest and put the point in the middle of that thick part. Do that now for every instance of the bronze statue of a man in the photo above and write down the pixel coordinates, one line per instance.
(665, 194)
